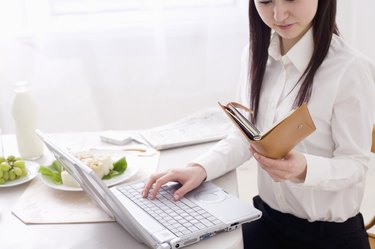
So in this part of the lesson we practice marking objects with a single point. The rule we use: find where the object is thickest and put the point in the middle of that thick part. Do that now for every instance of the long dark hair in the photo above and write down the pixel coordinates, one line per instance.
(324, 26)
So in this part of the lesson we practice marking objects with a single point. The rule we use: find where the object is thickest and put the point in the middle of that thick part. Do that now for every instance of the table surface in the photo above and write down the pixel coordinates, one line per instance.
(15, 234)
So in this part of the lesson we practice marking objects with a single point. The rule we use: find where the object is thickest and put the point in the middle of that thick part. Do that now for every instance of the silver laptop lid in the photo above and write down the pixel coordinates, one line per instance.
(97, 190)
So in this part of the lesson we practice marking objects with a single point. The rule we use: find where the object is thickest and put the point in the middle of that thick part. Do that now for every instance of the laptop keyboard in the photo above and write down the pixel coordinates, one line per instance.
(180, 217)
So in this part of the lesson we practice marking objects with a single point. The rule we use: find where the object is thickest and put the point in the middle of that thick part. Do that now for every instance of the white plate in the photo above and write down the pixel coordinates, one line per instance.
(32, 171)
(130, 171)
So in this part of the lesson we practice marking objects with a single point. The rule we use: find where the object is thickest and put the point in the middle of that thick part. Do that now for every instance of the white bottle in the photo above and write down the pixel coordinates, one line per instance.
(25, 114)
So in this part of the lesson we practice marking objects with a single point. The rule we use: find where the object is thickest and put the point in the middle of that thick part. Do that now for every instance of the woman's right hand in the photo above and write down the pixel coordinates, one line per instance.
(189, 177)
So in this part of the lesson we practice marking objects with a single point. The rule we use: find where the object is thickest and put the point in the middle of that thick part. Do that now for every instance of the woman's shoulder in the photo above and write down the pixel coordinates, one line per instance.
(343, 53)
(350, 67)
(348, 63)
(245, 51)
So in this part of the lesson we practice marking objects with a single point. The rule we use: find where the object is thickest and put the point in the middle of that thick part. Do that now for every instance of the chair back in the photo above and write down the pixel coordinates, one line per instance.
(371, 236)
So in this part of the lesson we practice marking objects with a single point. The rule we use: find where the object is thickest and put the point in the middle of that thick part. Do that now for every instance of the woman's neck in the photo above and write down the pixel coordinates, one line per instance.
(287, 44)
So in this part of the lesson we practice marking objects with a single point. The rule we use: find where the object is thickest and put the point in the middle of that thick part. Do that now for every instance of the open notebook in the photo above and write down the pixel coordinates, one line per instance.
(163, 222)
(278, 140)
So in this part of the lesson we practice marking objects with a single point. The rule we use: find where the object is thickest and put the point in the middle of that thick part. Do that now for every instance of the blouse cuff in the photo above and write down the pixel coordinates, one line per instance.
(318, 167)
(209, 164)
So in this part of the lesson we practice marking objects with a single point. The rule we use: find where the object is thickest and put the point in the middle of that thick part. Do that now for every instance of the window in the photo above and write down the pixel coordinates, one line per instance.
(51, 17)
(94, 6)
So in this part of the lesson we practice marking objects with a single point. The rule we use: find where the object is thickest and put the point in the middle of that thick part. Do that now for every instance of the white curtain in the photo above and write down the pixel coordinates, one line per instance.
(132, 64)
(105, 64)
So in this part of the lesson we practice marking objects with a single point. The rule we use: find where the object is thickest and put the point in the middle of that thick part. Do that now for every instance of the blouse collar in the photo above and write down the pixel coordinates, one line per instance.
(299, 55)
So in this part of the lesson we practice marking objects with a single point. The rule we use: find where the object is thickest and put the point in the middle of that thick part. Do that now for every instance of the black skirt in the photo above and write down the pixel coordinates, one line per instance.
(282, 230)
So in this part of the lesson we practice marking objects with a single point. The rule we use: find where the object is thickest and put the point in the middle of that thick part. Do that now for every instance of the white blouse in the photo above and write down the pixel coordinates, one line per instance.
(342, 106)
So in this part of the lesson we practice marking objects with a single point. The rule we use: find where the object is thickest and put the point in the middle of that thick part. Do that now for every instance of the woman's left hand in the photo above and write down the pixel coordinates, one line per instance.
(292, 167)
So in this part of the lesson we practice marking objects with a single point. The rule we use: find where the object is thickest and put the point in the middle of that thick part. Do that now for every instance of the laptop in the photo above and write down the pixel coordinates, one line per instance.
(160, 223)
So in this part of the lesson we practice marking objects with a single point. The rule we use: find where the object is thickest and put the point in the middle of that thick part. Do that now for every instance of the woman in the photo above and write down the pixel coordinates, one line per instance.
(311, 198)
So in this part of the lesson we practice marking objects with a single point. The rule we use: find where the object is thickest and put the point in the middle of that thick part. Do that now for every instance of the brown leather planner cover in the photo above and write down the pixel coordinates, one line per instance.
(283, 135)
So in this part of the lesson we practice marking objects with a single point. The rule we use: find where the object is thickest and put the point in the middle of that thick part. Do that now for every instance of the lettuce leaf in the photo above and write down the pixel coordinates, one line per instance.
(119, 167)
(52, 171)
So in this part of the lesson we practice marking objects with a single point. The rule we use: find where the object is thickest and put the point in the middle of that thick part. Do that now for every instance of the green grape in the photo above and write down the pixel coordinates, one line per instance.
(17, 171)
(12, 175)
(24, 172)
(11, 159)
(5, 175)
(19, 164)
(12, 168)
(4, 166)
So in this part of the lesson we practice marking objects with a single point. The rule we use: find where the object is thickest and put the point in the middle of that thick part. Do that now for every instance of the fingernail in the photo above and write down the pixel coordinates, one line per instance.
(176, 197)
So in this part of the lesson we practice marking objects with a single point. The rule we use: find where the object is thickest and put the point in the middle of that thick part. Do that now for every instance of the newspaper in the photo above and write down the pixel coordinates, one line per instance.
(207, 125)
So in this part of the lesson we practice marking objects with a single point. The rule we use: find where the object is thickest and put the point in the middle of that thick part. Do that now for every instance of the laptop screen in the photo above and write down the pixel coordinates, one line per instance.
(96, 189)
(86, 177)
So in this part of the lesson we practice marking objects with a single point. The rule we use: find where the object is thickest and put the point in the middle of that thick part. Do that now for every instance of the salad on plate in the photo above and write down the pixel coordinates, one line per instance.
(56, 176)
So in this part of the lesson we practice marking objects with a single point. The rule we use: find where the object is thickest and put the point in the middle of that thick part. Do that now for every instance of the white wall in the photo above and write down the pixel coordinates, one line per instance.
(126, 76)
(356, 22)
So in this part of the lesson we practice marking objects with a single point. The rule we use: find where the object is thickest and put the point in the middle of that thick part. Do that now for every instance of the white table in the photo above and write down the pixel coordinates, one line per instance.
(15, 234)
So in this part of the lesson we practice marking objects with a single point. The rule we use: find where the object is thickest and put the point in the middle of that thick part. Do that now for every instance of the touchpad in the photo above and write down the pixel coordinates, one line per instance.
(210, 197)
